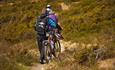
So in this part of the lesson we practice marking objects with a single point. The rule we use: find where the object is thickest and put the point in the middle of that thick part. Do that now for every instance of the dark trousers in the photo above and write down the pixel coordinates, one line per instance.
(40, 39)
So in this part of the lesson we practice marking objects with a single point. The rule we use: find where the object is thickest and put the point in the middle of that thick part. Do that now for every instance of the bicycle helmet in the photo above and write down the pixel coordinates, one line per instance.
(48, 6)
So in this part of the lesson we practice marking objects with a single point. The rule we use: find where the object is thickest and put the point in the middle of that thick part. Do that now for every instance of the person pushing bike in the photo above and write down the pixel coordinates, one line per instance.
(45, 23)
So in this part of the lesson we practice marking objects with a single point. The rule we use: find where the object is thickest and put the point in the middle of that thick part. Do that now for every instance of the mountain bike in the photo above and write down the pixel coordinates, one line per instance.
(52, 46)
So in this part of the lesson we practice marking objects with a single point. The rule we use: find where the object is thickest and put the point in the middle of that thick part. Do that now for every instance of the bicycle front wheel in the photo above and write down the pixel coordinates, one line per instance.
(57, 47)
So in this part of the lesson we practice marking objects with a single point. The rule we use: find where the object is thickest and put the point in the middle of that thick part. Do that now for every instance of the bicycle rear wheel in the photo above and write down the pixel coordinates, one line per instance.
(46, 51)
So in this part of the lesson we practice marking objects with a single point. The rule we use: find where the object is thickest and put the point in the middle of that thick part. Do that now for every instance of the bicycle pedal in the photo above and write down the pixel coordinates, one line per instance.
(46, 43)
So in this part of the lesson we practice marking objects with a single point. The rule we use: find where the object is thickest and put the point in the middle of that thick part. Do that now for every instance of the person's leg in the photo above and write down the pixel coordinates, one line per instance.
(39, 40)
(43, 49)
(39, 43)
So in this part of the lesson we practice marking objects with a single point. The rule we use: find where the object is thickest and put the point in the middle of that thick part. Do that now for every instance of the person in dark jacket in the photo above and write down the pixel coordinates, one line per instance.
(40, 28)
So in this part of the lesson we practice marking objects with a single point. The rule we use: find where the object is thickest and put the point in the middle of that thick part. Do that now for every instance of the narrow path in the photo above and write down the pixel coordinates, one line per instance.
(44, 66)
(64, 46)
(38, 67)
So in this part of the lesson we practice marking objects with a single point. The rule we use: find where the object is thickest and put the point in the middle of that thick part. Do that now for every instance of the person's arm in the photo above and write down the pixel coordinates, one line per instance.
(59, 24)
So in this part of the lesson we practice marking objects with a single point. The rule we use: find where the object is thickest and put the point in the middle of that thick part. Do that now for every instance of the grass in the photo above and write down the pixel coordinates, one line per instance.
(84, 23)
(89, 21)
(83, 58)
(19, 56)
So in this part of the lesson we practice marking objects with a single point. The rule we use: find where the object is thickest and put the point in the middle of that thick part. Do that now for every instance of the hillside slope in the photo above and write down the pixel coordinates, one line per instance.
(86, 23)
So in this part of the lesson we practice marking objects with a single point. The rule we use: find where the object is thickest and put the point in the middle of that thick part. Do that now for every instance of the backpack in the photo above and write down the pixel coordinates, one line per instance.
(40, 26)
(52, 23)
(52, 20)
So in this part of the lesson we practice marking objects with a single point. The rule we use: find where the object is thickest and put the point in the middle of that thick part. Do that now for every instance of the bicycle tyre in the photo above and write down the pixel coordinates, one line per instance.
(57, 47)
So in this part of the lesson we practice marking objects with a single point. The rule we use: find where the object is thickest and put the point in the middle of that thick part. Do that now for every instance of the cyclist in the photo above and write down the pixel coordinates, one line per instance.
(52, 22)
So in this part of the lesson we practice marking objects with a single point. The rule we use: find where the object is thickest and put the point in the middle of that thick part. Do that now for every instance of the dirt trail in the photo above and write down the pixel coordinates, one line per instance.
(44, 66)
(108, 64)
(38, 67)
(64, 45)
